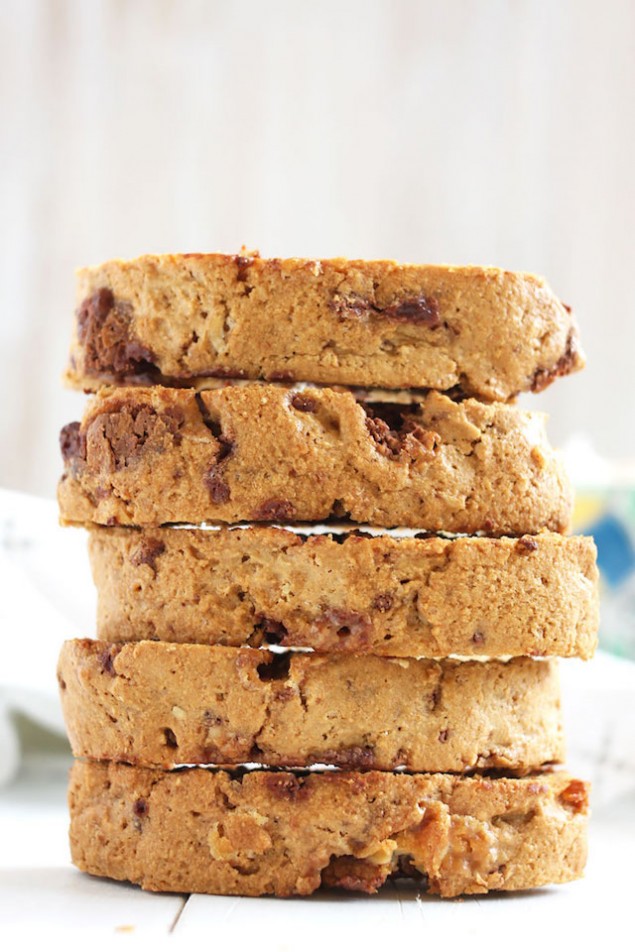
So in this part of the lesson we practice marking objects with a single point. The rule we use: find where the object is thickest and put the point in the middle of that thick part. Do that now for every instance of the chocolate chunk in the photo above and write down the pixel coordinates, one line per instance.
(383, 602)
(406, 438)
(147, 553)
(218, 489)
(274, 510)
(140, 807)
(419, 310)
(360, 758)
(304, 403)
(106, 659)
(131, 429)
(170, 737)
(215, 482)
(286, 786)
(243, 265)
(526, 544)
(103, 328)
(415, 310)
(570, 360)
(73, 443)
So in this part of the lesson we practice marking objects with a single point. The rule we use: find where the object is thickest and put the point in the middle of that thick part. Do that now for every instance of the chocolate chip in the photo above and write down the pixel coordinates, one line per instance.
(106, 659)
(569, 360)
(140, 807)
(132, 428)
(286, 786)
(396, 433)
(421, 309)
(218, 489)
(281, 376)
(383, 602)
(103, 328)
(170, 737)
(93, 311)
(357, 757)
(147, 553)
(526, 544)
(304, 403)
(478, 638)
(72, 443)
(242, 267)
(274, 510)
(443, 736)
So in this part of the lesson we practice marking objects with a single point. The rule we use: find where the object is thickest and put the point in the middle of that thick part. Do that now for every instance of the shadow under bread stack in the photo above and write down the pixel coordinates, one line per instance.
(416, 670)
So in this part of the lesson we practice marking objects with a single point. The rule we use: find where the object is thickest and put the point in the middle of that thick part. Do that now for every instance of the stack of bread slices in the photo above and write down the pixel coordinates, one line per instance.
(333, 578)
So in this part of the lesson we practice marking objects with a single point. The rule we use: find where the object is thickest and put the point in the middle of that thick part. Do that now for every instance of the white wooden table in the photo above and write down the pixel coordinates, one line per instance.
(41, 894)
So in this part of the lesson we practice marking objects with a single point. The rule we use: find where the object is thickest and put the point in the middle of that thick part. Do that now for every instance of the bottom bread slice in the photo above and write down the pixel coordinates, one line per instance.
(278, 833)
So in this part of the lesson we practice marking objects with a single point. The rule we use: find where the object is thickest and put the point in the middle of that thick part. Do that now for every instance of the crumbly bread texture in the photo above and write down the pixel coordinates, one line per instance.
(270, 454)
(160, 705)
(275, 833)
(181, 319)
(402, 597)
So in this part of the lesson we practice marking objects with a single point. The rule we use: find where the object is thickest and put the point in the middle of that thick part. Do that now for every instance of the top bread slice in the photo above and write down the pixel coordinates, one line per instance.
(183, 320)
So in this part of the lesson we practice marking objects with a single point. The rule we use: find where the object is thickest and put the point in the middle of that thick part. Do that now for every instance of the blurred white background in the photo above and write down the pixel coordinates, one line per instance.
(484, 131)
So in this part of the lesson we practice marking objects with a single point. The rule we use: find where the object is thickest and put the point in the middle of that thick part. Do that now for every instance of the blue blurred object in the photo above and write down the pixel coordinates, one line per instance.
(616, 553)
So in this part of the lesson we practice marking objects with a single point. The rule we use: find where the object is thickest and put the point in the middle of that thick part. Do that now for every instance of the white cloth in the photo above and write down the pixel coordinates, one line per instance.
(48, 596)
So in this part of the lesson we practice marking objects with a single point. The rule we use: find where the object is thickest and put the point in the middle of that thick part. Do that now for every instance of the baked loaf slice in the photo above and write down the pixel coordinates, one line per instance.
(158, 704)
(182, 319)
(147, 456)
(264, 832)
(403, 597)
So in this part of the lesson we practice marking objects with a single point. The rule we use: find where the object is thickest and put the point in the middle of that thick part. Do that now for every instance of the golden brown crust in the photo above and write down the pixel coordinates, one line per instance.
(269, 454)
(276, 833)
(158, 704)
(400, 597)
(181, 319)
